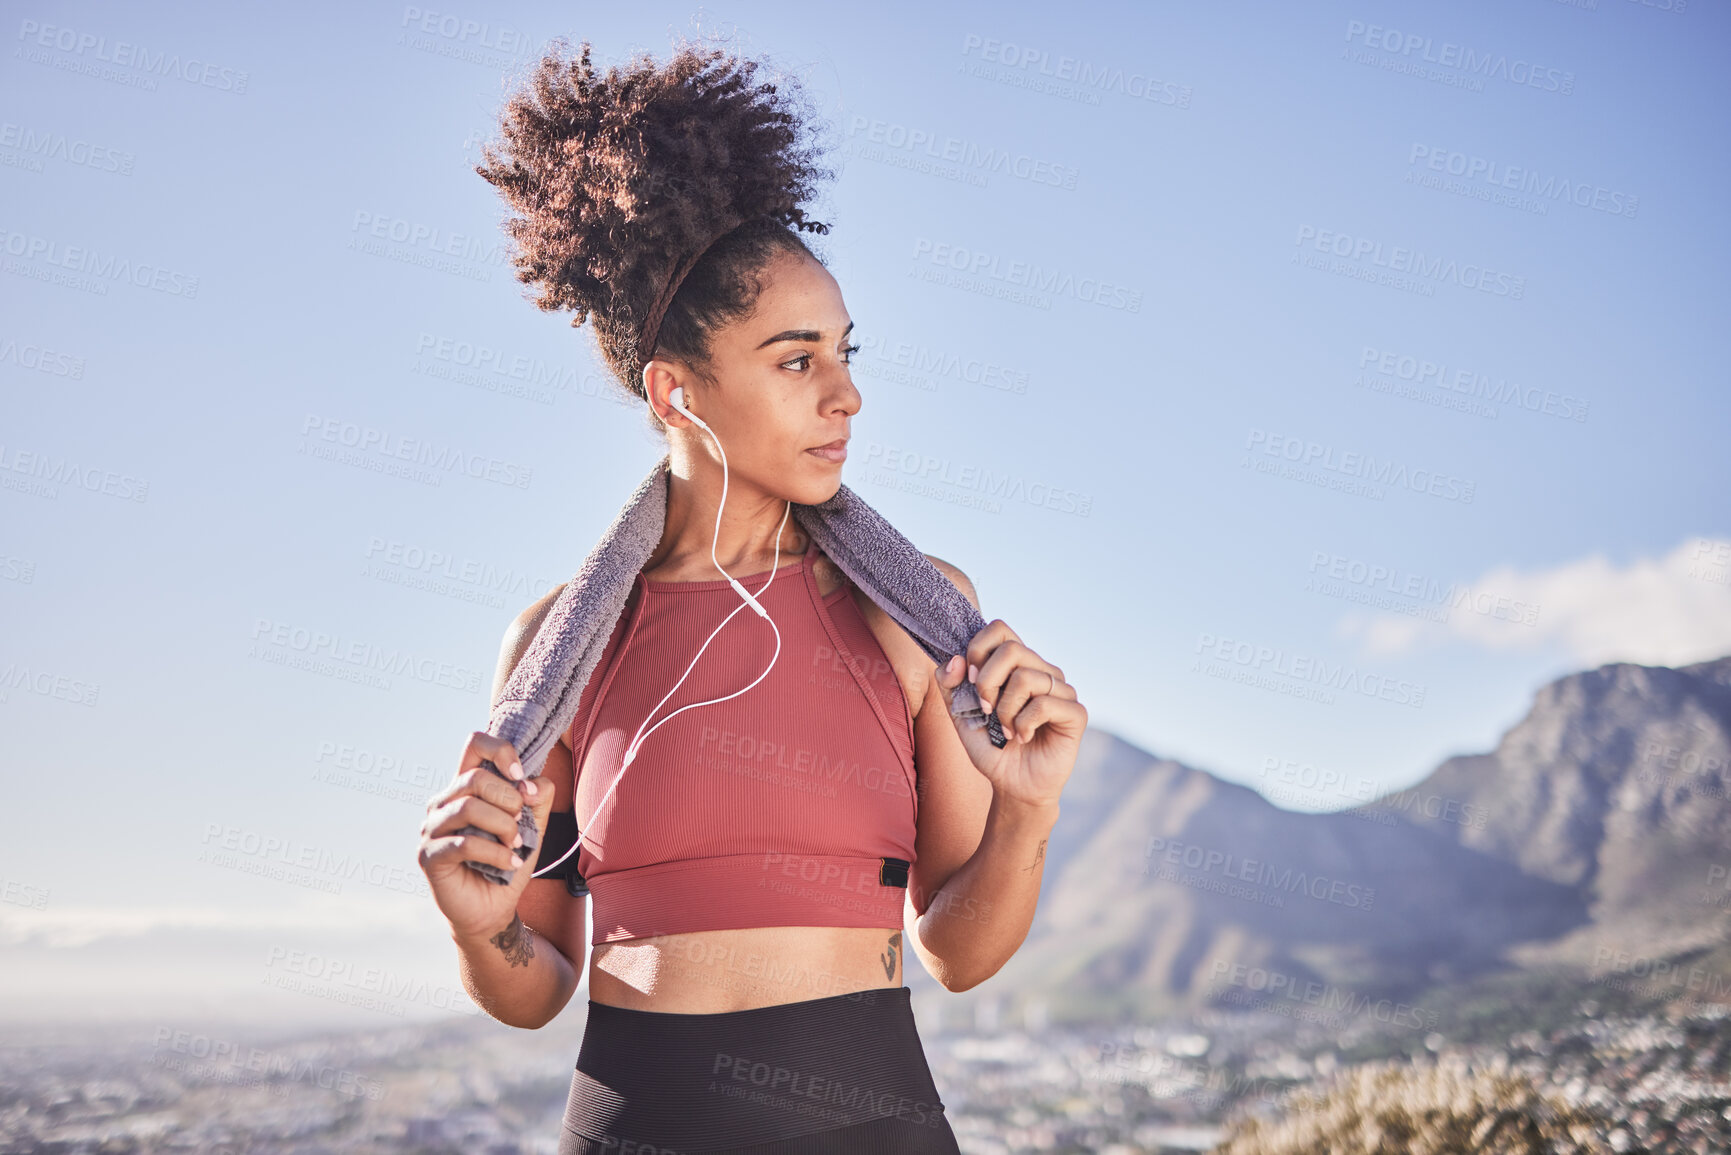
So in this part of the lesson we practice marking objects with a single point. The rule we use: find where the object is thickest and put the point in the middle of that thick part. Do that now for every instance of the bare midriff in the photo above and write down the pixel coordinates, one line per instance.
(711, 971)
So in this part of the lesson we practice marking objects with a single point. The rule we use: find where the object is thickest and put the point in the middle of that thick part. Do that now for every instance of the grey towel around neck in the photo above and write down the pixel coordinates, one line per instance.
(541, 697)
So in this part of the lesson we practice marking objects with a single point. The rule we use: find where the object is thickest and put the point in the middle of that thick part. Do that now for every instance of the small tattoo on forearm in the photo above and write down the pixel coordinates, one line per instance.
(1039, 856)
(889, 960)
(515, 943)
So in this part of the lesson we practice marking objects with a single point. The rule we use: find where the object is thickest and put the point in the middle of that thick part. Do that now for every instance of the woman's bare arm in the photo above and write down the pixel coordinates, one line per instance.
(524, 973)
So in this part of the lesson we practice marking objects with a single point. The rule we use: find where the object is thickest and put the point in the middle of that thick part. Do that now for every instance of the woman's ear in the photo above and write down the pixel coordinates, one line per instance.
(657, 374)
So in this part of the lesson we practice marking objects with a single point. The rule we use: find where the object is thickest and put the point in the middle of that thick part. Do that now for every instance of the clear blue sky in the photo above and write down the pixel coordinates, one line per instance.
(1190, 329)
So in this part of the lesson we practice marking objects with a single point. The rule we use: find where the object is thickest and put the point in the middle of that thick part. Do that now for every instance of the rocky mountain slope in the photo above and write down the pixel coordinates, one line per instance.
(1600, 824)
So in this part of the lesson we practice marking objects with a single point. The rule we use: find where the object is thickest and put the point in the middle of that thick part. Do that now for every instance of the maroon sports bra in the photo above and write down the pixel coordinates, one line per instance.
(792, 804)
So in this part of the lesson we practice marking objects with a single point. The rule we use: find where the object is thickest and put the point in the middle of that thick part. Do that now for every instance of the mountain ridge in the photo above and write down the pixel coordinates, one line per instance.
(1594, 825)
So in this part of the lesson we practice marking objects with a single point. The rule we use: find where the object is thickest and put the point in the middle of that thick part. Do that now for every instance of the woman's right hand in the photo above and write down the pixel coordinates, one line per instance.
(475, 905)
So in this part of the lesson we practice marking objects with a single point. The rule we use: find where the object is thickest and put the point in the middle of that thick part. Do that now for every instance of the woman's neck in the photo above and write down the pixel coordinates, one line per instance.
(747, 541)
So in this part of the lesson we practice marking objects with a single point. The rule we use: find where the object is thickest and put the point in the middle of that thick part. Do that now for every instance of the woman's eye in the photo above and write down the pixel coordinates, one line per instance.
(847, 358)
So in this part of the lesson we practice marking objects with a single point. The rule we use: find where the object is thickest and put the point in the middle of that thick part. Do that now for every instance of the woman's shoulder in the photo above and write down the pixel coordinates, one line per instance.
(912, 665)
(519, 634)
(957, 578)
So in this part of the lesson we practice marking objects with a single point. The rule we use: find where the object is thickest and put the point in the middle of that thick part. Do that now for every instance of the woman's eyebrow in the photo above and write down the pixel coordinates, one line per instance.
(803, 335)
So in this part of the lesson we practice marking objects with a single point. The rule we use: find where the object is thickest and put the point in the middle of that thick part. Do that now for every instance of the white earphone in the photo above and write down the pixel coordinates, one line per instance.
(676, 399)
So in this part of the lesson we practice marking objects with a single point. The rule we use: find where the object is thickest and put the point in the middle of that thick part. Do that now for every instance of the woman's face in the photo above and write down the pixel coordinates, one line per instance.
(783, 388)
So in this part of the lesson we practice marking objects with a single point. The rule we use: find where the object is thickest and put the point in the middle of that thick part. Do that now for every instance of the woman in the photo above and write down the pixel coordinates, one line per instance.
(755, 868)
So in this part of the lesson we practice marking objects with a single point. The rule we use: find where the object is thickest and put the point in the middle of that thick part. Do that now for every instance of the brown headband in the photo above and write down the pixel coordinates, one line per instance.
(652, 323)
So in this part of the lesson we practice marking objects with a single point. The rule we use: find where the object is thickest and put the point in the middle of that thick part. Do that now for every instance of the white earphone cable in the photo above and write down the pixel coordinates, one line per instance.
(638, 738)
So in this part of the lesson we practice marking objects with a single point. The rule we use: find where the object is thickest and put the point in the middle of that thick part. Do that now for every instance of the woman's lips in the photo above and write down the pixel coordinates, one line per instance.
(835, 451)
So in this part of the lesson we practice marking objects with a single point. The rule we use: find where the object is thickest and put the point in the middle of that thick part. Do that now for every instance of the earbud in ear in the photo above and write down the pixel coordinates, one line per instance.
(676, 399)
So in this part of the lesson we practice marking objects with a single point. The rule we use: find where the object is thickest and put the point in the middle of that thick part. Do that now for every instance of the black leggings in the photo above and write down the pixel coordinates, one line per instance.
(835, 1076)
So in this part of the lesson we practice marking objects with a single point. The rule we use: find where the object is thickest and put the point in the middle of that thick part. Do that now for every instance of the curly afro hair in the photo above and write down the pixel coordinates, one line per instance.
(616, 180)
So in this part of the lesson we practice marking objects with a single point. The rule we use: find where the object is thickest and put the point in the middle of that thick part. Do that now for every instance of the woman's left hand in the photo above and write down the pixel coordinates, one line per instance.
(1038, 710)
